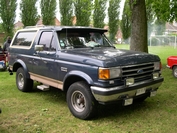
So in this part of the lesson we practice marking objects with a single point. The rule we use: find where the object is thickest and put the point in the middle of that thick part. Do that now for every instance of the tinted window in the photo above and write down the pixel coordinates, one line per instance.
(46, 39)
(24, 38)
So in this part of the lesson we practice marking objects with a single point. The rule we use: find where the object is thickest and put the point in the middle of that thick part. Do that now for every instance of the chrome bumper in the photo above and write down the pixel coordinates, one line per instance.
(167, 66)
(117, 93)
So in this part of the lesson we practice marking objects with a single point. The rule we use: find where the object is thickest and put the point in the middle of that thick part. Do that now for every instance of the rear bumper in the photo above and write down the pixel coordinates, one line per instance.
(104, 95)
(168, 66)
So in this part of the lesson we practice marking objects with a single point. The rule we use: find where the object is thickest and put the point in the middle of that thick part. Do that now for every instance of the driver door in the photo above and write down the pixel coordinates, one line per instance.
(45, 61)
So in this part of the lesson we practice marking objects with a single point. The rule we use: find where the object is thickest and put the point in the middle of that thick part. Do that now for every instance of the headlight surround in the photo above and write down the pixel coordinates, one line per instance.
(157, 65)
(109, 73)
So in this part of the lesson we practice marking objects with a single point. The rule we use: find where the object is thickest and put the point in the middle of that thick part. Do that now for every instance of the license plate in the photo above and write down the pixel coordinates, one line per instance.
(128, 101)
(140, 91)
(153, 93)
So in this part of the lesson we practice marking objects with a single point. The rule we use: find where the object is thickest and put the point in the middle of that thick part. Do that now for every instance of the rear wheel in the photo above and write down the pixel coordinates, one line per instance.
(175, 71)
(80, 100)
(24, 84)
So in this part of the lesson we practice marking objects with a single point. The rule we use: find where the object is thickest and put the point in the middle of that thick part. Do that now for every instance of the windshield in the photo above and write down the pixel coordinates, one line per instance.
(75, 39)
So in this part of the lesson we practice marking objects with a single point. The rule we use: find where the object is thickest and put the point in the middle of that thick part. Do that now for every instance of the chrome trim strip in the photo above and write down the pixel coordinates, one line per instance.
(150, 63)
(47, 81)
(113, 97)
(136, 69)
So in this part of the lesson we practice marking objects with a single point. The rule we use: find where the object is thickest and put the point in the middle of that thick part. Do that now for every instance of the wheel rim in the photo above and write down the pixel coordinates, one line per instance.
(78, 101)
(20, 80)
(175, 72)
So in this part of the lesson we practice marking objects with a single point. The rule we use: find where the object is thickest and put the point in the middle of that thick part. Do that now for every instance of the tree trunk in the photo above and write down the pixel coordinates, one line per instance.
(139, 26)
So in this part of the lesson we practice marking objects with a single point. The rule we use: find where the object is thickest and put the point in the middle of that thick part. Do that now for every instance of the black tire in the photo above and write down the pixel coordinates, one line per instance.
(23, 84)
(80, 100)
(175, 71)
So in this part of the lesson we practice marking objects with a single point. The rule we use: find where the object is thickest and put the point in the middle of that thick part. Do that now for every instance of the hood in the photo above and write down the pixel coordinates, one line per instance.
(110, 57)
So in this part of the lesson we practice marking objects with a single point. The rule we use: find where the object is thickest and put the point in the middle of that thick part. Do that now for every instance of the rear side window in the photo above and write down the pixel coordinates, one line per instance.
(24, 39)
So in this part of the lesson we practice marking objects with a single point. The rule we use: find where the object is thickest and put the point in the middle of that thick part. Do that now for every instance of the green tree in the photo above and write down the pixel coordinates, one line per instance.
(1, 28)
(48, 8)
(66, 11)
(173, 10)
(126, 21)
(150, 14)
(113, 15)
(163, 12)
(7, 14)
(159, 26)
(29, 13)
(83, 10)
(161, 8)
(144, 11)
(99, 13)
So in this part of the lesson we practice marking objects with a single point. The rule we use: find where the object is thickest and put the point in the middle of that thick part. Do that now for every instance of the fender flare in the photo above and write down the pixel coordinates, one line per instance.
(19, 63)
(81, 74)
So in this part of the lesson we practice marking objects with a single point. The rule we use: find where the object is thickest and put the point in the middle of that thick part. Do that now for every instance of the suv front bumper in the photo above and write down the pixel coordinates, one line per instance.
(104, 95)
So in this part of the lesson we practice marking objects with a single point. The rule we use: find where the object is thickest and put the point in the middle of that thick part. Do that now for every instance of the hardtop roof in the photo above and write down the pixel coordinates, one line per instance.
(59, 28)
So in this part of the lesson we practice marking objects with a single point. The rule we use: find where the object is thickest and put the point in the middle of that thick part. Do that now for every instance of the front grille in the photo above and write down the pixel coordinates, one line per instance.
(139, 72)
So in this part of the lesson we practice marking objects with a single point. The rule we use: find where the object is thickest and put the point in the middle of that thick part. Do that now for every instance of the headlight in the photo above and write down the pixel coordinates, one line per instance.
(109, 73)
(155, 75)
(157, 65)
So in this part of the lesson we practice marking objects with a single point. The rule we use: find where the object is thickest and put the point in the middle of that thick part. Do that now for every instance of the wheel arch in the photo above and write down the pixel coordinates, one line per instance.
(75, 76)
(174, 66)
(19, 63)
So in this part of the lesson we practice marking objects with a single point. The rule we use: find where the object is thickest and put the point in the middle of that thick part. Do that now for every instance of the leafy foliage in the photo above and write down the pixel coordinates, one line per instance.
(48, 8)
(83, 9)
(1, 28)
(126, 21)
(159, 26)
(173, 11)
(66, 10)
(99, 13)
(161, 9)
(29, 13)
(113, 15)
(7, 14)
(150, 14)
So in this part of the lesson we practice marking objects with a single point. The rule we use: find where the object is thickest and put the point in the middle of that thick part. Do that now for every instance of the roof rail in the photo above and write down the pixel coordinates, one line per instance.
(37, 26)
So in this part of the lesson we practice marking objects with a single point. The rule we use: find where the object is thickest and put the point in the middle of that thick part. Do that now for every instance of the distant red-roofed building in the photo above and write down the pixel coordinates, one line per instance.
(171, 28)
(18, 25)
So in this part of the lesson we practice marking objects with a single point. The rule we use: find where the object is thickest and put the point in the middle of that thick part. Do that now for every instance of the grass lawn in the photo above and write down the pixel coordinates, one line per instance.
(47, 112)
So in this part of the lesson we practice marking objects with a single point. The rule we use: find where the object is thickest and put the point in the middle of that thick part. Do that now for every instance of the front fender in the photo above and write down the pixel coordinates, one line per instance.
(19, 63)
(83, 75)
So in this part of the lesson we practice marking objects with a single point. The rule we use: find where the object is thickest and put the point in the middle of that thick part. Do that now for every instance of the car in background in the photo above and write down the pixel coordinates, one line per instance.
(172, 64)
(2, 60)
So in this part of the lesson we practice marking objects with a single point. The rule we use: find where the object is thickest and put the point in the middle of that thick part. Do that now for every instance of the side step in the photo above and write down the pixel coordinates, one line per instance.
(43, 87)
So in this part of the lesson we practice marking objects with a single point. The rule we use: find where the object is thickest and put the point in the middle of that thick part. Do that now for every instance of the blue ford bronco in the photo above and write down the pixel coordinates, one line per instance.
(82, 62)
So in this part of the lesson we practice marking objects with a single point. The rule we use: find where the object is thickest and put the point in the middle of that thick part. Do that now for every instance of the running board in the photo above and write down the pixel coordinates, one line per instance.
(43, 87)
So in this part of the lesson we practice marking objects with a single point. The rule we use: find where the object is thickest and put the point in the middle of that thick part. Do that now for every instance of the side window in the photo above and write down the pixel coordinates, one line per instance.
(24, 38)
(47, 40)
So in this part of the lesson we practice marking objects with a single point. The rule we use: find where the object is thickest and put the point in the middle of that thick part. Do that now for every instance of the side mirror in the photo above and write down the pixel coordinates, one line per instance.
(39, 47)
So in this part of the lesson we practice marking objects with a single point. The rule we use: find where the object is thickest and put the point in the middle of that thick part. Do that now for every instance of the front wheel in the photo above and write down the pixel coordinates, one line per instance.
(24, 84)
(175, 71)
(80, 100)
